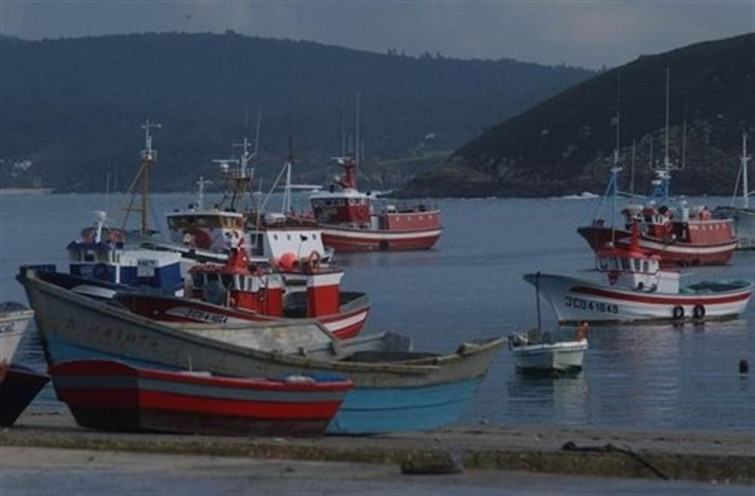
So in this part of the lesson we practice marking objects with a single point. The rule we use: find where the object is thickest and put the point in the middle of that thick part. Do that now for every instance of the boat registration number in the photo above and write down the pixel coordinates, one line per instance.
(595, 306)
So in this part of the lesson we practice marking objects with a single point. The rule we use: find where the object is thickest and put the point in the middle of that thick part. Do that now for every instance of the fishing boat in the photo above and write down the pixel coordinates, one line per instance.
(355, 221)
(681, 235)
(114, 396)
(638, 290)
(396, 389)
(102, 264)
(19, 384)
(266, 234)
(743, 215)
(234, 293)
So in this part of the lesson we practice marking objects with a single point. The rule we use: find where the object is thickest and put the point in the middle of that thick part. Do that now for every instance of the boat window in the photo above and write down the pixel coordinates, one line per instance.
(89, 257)
(227, 280)
(211, 278)
(603, 263)
(625, 264)
(197, 280)
(171, 223)
(645, 266)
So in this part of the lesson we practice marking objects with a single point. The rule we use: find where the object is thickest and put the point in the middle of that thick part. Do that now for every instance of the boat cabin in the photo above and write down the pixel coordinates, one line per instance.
(101, 256)
(235, 285)
(635, 270)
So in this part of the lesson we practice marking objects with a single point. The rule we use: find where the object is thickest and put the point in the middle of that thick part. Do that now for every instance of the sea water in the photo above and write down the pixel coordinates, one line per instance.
(470, 286)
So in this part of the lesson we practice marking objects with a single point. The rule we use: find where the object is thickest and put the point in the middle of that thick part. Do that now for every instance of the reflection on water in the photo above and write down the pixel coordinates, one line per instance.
(471, 286)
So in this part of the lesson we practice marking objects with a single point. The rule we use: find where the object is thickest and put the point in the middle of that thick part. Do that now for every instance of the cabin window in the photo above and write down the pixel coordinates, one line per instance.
(197, 280)
(227, 281)
(625, 264)
(615, 264)
(603, 264)
(89, 257)
(211, 278)
(171, 223)
(645, 266)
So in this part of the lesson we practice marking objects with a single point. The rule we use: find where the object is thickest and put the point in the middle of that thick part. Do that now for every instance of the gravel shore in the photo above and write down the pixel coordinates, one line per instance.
(706, 456)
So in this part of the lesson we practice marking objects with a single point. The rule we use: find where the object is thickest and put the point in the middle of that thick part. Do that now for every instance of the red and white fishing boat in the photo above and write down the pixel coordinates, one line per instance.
(678, 234)
(354, 221)
(234, 293)
(111, 395)
(638, 290)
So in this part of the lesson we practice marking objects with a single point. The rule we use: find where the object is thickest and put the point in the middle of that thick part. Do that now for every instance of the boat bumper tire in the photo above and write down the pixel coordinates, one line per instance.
(678, 312)
(698, 312)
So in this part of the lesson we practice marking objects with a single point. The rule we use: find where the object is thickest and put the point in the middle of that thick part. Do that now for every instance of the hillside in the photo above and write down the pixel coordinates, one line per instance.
(565, 144)
(71, 108)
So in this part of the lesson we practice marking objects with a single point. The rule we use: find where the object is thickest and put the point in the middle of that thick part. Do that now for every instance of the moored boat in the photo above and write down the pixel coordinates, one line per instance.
(638, 290)
(396, 389)
(112, 395)
(232, 293)
(354, 221)
(536, 352)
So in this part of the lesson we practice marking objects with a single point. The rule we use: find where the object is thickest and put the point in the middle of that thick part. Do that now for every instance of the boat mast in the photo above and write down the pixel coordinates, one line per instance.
(745, 186)
(356, 145)
(200, 194)
(663, 174)
(148, 158)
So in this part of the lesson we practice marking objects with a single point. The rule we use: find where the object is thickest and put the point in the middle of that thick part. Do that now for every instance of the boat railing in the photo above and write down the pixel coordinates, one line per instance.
(408, 206)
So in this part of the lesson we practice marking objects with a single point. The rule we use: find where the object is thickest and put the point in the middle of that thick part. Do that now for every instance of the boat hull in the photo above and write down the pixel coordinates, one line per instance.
(112, 395)
(575, 300)
(13, 324)
(18, 387)
(672, 253)
(406, 394)
(343, 239)
(559, 357)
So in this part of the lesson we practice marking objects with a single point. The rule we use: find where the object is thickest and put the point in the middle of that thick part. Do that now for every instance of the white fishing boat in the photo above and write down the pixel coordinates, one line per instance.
(637, 290)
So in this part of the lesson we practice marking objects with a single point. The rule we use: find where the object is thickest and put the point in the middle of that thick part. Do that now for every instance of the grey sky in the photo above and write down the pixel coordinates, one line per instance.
(576, 32)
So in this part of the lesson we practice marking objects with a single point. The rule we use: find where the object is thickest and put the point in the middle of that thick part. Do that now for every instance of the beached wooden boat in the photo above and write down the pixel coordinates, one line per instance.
(14, 319)
(395, 389)
(111, 395)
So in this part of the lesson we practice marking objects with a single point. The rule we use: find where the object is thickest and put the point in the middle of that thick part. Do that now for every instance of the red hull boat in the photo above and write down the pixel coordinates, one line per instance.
(114, 396)
(352, 221)
(232, 294)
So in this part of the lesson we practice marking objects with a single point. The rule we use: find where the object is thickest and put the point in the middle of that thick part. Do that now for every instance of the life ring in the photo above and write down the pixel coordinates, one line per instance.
(116, 236)
(101, 272)
(698, 312)
(314, 259)
(678, 312)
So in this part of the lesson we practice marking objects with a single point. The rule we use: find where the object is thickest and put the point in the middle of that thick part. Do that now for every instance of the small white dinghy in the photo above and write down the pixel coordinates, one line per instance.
(536, 352)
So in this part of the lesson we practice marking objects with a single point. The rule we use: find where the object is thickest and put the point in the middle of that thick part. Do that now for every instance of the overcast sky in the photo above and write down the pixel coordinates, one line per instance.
(575, 32)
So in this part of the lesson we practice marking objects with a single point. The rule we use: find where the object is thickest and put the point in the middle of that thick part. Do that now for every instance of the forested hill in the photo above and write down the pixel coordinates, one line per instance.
(71, 108)
(565, 144)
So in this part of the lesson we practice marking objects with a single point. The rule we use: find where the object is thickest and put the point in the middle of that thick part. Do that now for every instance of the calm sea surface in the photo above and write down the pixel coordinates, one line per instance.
(471, 286)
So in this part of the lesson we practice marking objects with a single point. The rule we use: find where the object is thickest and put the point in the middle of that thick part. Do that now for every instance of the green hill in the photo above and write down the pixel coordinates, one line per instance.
(71, 108)
(565, 145)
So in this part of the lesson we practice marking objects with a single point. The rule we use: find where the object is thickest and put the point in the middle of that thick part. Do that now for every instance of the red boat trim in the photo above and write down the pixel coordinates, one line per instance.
(661, 300)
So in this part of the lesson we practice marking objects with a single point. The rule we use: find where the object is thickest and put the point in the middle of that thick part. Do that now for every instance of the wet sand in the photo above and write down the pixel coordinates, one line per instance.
(651, 455)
